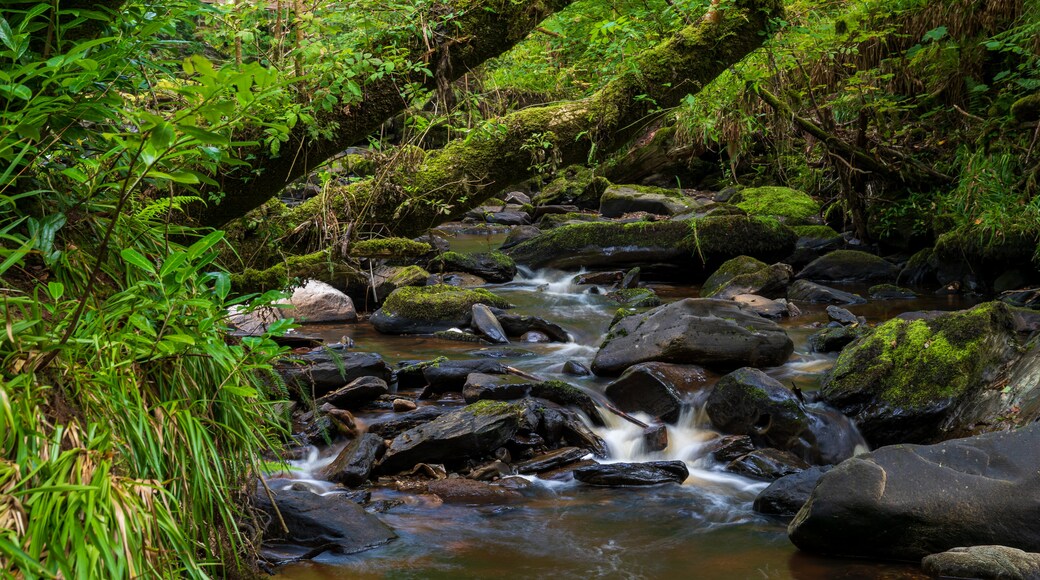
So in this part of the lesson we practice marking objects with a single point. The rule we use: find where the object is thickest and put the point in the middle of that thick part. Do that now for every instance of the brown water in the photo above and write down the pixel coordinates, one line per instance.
(702, 529)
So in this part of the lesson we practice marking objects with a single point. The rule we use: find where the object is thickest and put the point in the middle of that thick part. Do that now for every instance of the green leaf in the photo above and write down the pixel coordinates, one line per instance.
(133, 257)
(55, 289)
(6, 34)
(207, 242)
(19, 91)
(222, 284)
(247, 392)
(162, 136)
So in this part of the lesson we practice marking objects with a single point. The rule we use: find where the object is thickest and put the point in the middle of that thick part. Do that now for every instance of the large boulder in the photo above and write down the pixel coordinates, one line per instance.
(576, 185)
(750, 402)
(707, 241)
(850, 266)
(360, 391)
(902, 381)
(656, 388)
(428, 309)
(617, 200)
(713, 333)
(790, 205)
(813, 242)
(354, 464)
(745, 275)
(785, 496)
(317, 301)
(908, 501)
(491, 266)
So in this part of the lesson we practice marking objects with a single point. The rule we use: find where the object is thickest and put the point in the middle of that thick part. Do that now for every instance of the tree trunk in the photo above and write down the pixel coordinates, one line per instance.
(417, 193)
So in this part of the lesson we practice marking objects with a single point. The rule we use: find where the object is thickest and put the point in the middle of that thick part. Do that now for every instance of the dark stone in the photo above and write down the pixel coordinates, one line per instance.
(600, 278)
(551, 460)
(750, 402)
(655, 438)
(835, 339)
(576, 369)
(635, 297)
(353, 465)
(728, 447)
(468, 491)
(633, 474)
(518, 325)
(318, 371)
(890, 292)
(806, 291)
(850, 266)
(764, 307)
(984, 562)
(393, 425)
(905, 502)
(491, 266)
(841, 316)
(494, 387)
(360, 391)
(767, 464)
(508, 218)
(631, 279)
(487, 325)
(568, 395)
(520, 234)
(714, 333)
(655, 388)
(617, 200)
(315, 521)
(451, 375)
(785, 496)
(543, 210)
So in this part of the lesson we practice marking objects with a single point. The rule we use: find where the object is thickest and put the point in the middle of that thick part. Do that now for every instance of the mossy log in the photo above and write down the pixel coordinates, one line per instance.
(423, 189)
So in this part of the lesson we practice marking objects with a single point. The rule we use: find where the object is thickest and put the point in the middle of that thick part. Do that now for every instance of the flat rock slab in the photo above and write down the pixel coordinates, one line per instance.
(461, 490)
(325, 369)
(633, 474)
(986, 562)
(806, 291)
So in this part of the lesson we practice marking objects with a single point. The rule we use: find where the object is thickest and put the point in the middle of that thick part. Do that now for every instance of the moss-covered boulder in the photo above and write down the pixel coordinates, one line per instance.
(985, 252)
(849, 266)
(491, 266)
(428, 309)
(746, 275)
(575, 185)
(635, 297)
(697, 243)
(385, 279)
(389, 248)
(791, 206)
(903, 380)
(617, 200)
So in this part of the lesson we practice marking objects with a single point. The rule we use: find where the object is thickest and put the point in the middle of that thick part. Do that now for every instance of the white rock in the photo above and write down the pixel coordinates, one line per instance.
(319, 302)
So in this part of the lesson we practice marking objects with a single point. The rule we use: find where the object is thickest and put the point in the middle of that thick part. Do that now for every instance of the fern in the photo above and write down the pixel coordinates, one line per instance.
(165, 205)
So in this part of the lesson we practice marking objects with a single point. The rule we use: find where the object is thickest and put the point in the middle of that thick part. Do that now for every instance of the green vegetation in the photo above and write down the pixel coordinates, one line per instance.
(389, 248)
(728, 271)
(438, 302)
(792, 206)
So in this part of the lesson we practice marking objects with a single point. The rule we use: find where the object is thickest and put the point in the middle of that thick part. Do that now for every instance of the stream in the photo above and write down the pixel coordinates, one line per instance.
(704, 528)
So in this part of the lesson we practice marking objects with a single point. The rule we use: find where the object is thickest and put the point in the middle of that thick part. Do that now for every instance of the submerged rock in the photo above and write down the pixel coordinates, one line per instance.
(707, 332)
(428, 309)
(908, 501)
(633, 474)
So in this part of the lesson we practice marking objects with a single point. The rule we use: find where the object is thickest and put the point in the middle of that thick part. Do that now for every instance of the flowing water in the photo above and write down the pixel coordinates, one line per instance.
(704, 528)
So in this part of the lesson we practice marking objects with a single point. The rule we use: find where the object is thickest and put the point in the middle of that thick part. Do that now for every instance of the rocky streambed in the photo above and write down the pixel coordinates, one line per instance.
(637, 423)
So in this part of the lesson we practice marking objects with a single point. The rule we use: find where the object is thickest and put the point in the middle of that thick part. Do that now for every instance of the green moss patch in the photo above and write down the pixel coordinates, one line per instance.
(795, 207)
(438, 302)
(729, 270)
(389, 248)
(635, 297)
(816, 232)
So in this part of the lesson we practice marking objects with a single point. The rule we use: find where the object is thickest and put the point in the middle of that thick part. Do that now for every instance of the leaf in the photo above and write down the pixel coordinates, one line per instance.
(247, 392)
(162, 136)
(937, 33)
(222, 284)
(207, 242)
(55, 289)
(133, 257)
(19, 91)
(6, 34)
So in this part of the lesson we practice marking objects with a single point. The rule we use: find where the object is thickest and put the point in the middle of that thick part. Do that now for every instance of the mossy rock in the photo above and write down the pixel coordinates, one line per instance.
(319, 266)
(1026, 109)
(987, 252)
(618, 200)
(389, 248)
(555, 220)
(890, 292)
(816, 232)
(491, 266)
(729, 270)
(900, 381)
(575, 185)
(849, 265)
(428, 309)
(793, 207)
(635, 297)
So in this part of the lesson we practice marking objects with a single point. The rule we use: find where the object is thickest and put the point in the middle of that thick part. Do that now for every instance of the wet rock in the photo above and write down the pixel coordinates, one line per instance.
(806, 291)
(630, 280)
(905, 380)
(518, 325)
(789, 205)
(479, 387)
(431, 308)
(905, 502)
(451, 375)
(490, 471)
(319, 302)
(500, 352)
(576, 369)
(890, 292)
(655, 438)
(984, 562)
(456, 279)
(729, 447)
(403, 405)
(461, 490)
(849, 266)
(568, 395)
(599, 278)
(615, 244)
(746, 275)
(472, 431)
(520, 234)
(785, 496)
(635, 297)
(750, 402)
(655, 388)
(813, 242)
(393, 425)
(322, 370)
(342, 420)
(459, 335)
(534, 336)
(767, 464)
(841, 316)
(316, 521)
(617, 200)
(575, 185)
(835, 339)
(518, 197)
(708, 332)
(491, 266)
(551, 460)
(360, 391)
(633, 474)
(486, 324)
(508, 218)
(764, 307)
(386, 279)
(353, 465)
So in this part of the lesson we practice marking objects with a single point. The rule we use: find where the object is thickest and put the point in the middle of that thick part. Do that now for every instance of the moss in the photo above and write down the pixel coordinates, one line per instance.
(389, 248)
(816, 232)
(1015, 244)
(553, 220)
(883, 291)
(728, 271)
(1027, 108)
(409, 276)
(488, 407)
(619, 315)
(438, 302)
(715, 239)
(457, 336)
(795, 207)
(923, 362)
(317, 266)
(575, 185)
(635, 297)
(493, 266)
